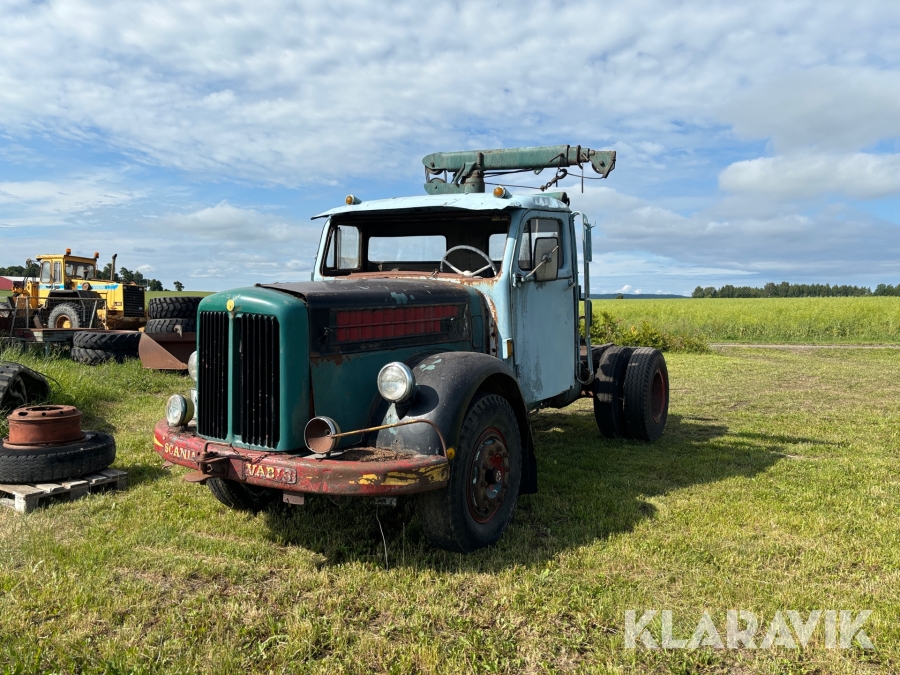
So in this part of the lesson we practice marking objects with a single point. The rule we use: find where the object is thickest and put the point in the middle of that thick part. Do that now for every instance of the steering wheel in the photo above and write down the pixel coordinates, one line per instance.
(467, 273)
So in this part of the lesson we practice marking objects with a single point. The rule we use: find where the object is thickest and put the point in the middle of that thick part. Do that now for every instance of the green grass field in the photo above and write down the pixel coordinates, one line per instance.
(767, 320)
(774, 488)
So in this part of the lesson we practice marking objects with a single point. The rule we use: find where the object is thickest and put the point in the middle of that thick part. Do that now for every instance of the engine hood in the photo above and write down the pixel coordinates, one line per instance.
(357, 293)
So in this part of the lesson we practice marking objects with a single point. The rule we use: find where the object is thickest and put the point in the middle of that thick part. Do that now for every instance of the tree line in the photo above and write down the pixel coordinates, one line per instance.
(787, 290)
(122, 274)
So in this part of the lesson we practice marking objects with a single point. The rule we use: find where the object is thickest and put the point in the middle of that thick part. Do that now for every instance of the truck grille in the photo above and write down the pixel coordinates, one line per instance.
(255, 377)
(212, 371)
(257, 420)
(134, 300)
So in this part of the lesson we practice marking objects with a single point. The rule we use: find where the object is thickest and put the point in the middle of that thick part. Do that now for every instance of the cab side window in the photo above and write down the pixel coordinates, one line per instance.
(343, 249)
(45, 272)
(535, 229)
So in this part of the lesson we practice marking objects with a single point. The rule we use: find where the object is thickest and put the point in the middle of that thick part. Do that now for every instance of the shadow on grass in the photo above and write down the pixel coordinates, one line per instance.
(590, 488)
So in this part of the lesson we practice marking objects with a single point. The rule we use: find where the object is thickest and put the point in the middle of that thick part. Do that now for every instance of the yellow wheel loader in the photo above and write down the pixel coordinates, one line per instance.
(66, 293)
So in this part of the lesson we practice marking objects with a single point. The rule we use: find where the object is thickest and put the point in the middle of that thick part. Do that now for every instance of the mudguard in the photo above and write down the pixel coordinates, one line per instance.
(447, 383)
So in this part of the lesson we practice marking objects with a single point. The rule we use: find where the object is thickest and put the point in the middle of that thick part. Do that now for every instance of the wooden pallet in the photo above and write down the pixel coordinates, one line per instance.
(27, 497)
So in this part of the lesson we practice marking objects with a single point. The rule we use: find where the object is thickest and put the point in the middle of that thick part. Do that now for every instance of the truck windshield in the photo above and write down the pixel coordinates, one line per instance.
(415, 243)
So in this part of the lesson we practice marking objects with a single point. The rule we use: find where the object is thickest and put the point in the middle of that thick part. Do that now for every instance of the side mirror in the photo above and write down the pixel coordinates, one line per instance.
(546, 259)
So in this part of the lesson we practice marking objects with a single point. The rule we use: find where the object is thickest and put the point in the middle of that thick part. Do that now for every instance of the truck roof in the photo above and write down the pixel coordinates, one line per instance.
(477, 201)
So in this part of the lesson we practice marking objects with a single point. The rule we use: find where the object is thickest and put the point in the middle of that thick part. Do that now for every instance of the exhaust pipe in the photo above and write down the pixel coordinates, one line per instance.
(322, 433)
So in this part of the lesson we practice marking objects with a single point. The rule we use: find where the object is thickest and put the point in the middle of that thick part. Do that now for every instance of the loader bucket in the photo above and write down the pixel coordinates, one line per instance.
(166, 351)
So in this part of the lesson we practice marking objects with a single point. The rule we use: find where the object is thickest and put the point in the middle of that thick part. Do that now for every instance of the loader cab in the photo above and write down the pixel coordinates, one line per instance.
(58, 272)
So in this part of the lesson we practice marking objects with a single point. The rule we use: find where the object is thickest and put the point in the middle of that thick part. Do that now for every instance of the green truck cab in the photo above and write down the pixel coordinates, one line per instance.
(410, 363)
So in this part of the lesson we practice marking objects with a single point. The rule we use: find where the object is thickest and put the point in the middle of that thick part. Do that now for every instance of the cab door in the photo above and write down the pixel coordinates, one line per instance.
(543, 305)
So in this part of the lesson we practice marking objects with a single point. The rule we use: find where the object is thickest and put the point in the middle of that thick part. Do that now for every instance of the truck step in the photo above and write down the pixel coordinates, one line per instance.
(25, 498)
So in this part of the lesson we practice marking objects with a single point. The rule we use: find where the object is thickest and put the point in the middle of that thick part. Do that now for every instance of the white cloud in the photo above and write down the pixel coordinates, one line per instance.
(801, 176)
(227, 223)
(36, 202)
(277, 93)
(217, 101)
(830, 108)
(835, 241)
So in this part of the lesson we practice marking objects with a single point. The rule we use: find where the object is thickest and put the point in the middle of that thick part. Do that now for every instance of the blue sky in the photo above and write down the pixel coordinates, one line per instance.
(756, 141)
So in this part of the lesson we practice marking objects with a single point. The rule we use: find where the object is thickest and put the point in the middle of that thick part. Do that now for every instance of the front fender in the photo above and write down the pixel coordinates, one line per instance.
(447, 383)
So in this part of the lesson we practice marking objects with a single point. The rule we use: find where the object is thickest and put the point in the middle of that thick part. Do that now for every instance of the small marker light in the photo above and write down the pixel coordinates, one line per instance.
(501, 192)
(96, 255)
(351, 200)
(68, 251)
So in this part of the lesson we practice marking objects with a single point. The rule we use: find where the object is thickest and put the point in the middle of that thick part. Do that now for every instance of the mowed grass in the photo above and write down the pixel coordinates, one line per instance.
(874, 320)
(775, 487)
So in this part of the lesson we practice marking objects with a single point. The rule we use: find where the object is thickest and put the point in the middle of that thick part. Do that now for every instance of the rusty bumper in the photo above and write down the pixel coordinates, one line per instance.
(408, 474)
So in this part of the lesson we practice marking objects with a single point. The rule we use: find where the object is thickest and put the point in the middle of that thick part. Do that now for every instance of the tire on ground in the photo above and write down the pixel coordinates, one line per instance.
(241, 496)
(168, 325)
(94, 357)
(646, 394)
(113, 341)
(64, 315)
(475, 507)
(173, 307)
(37, 465)
(608, 390)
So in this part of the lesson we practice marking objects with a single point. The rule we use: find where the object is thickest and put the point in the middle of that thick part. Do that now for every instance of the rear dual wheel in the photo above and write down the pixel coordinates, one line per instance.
(631, 393)
(475, 507)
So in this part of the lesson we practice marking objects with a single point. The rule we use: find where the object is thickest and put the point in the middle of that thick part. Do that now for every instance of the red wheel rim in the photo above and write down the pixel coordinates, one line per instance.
(658, 395)
(488, 475)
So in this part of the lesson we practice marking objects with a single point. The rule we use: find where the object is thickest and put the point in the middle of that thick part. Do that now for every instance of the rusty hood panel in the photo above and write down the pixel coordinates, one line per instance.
(353, 293)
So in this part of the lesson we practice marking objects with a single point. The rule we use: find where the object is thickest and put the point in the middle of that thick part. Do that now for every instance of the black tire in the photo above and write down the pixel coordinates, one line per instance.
(469, 514)
(40, 465)
(608, 390)
(241, 496)
(173, 307)
(646, 394)
(20, 385)
(125, 342)
(64, 315)
(168, 325)
(94, 357)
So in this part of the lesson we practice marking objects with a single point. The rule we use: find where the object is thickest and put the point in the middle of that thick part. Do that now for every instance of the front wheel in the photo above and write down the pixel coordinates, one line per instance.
(475, 507)
(241, 496)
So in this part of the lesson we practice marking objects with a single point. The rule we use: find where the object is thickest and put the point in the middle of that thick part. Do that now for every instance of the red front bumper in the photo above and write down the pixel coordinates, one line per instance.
(408, 474)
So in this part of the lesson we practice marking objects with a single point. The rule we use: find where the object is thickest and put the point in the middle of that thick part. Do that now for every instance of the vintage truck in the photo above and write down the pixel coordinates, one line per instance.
(410, 363)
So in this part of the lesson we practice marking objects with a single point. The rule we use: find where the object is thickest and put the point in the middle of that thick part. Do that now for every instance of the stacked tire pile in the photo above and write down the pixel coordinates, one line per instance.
(96, 347)
(168, 313)
(631, 393)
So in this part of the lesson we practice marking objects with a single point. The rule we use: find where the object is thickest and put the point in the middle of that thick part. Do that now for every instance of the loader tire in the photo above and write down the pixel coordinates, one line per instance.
(37, 465)
(64, 315)
(94, 357)
(115, 341)
(646, 394)
(173, 307)
(168, 325)
(608, 390)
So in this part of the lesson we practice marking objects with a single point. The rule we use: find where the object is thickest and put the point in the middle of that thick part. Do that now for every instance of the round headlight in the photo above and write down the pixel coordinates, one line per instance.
(396, 382)
(179, 410)
(192, 366)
